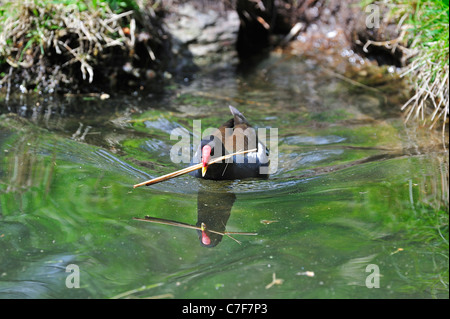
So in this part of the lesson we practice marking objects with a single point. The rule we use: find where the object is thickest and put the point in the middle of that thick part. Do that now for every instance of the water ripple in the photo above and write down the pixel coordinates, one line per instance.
(313, 140)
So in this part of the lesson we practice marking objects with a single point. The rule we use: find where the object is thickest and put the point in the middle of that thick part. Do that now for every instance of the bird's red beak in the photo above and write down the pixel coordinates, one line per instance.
(206, 156)
(205, 239)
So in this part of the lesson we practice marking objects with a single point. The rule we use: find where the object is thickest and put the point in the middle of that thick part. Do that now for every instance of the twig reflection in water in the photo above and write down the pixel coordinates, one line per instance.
(213, 212)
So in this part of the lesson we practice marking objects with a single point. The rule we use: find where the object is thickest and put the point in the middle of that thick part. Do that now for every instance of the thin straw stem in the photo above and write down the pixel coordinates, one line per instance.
(188, 226)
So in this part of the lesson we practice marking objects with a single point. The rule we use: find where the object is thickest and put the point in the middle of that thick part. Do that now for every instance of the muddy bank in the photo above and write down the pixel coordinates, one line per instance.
(156, 44)
(222, 31)
(61, 48)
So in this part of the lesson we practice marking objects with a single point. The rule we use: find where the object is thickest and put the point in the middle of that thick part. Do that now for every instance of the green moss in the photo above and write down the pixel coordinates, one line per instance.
(194, 100)
(425, 26)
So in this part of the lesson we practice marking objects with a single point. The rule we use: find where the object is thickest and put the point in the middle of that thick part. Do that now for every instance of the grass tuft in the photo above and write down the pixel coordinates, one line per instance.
(429, 35)
(424, 44)
(56, 40)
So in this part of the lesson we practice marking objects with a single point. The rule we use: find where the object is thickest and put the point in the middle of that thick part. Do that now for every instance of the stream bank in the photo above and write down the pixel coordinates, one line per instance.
(144, 46)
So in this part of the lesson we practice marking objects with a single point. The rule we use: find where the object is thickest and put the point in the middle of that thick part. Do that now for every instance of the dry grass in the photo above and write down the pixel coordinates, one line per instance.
(431, 91)
(47, 43)
(423, 40)
(429, 70)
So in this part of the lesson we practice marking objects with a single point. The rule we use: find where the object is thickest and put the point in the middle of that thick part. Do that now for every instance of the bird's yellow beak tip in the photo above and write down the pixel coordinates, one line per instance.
(204, 170)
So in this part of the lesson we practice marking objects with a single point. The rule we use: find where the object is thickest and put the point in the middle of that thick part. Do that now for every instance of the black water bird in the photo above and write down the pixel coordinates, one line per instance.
(234, 135)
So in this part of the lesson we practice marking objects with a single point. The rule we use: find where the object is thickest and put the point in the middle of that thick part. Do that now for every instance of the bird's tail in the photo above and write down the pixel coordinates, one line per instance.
(238, 116)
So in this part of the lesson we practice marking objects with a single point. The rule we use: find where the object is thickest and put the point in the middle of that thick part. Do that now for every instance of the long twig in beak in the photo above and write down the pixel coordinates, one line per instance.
(190, 169)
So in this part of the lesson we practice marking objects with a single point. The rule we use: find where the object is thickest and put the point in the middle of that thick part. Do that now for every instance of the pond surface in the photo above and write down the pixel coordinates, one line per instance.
(355, 208)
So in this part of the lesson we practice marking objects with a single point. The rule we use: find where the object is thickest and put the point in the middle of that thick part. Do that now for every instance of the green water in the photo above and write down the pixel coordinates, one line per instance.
(352, 189)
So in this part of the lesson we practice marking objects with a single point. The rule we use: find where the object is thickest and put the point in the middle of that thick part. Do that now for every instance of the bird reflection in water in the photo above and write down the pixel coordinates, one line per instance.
(213, 212)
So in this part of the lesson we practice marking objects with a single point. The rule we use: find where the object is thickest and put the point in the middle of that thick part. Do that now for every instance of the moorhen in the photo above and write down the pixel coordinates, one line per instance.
(233, 136)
